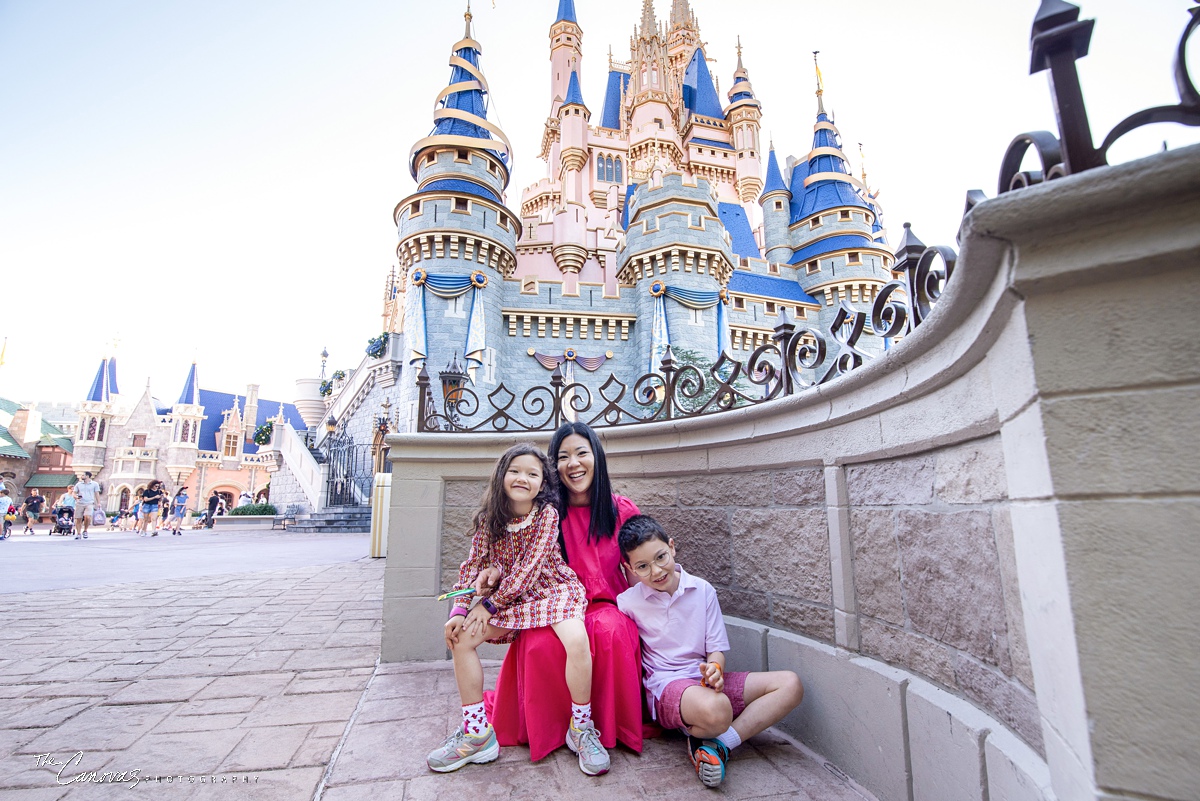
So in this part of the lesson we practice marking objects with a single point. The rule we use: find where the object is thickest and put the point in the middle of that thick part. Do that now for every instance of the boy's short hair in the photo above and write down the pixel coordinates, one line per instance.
(640, 529)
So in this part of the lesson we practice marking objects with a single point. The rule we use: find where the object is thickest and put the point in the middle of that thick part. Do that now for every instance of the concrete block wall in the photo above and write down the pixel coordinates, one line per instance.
(995, 516)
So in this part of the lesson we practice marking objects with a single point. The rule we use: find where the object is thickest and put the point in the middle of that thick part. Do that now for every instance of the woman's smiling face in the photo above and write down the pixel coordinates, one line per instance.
(576, 468)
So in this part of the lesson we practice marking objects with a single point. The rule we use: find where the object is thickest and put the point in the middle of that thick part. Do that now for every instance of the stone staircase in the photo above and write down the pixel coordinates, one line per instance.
(335, 519)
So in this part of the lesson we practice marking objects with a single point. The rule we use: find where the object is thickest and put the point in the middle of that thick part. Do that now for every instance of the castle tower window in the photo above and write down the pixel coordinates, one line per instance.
(414, 209)
(778, 205)
(619, 179)
(100, 432)
(772, 307)
(430, 159)
(231, 445)
(492, 168)
(844, 215)
(529, 285)
(600, 168)
(812, 267)
(608, 169)
(773, 268)
(461, 204)
(854, 258)
(463, 155)
(91, 431)
(815, 222)
(139, 440)
(187, 431)
(739, 303)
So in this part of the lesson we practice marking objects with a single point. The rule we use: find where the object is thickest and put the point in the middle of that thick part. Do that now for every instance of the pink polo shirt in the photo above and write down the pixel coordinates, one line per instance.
(678, 631)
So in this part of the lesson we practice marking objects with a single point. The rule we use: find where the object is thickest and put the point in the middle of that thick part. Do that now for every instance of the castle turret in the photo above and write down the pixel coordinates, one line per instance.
(678, 289)
(95, 419)
(743, 115)
(186, 415)
(653, 132)
(832, 234)
(566, 53)
(455, 231)
(776, 204)
(570, 220)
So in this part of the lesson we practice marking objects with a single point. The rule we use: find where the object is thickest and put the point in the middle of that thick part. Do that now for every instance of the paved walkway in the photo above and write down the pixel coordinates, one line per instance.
(268, 680)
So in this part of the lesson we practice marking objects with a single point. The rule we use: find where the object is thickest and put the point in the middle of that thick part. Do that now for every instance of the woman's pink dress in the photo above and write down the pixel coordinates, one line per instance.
(531, 703)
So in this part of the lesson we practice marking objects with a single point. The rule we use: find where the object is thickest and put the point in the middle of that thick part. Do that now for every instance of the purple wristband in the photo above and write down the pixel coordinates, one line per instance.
(491, 607)
(458, 611)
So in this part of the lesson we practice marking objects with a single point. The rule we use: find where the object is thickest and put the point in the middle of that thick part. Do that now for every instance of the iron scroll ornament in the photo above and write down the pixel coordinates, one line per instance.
(1057, 41)
(796, 359)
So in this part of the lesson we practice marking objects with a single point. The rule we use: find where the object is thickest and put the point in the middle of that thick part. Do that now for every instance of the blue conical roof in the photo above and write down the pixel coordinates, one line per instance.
(112, 376)
(99, 391)
(827, 193)
(472, 101)
(699, 93)
(618, 84)
(566, 11)
(191, 389)
(574, 95)
(774, 176)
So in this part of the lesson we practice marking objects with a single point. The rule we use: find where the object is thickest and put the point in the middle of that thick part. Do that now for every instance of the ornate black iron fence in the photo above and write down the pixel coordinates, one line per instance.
(797, 358)
(351, 472)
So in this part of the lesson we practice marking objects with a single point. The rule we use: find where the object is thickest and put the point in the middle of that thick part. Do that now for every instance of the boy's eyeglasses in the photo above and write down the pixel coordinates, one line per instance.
(662, 560)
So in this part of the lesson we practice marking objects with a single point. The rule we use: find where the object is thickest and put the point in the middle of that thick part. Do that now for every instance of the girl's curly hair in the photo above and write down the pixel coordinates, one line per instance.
(496, 510)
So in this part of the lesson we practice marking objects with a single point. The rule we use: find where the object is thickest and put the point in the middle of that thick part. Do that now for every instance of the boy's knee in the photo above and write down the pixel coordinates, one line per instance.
(793, 687)
(714, 712)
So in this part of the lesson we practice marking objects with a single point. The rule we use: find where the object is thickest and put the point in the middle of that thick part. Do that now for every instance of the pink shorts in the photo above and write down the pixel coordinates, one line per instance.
(667, 709)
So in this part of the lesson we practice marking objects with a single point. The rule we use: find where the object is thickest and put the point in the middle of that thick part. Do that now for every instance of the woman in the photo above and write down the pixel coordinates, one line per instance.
(531, 702)
(152, 498)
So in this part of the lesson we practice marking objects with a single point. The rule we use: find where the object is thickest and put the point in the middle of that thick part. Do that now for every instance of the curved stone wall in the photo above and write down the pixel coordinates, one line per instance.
(930, 540)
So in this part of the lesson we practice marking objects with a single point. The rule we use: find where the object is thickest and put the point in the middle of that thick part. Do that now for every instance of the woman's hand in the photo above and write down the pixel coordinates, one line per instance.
(486, 581)
(477, 620)
(454, 627)
(712, 676)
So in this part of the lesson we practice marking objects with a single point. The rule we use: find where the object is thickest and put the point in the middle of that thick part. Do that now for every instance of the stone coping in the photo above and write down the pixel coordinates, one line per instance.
(244, 521)
(895, 734)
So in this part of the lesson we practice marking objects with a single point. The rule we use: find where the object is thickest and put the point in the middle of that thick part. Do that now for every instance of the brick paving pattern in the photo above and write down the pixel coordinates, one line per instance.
(259, 679)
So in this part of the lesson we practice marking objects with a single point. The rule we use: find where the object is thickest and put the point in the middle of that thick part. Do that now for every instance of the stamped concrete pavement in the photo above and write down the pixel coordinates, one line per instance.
(264, 684)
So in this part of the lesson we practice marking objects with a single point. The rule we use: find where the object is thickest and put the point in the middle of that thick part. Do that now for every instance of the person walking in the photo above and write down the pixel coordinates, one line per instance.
(8, 513)
(152, 499)
(214, 501)
(178, 510)
(32, 509)
(85, 497)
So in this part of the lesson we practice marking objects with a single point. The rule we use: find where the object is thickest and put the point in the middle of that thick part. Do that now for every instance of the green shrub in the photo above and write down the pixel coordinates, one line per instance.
(254, 509)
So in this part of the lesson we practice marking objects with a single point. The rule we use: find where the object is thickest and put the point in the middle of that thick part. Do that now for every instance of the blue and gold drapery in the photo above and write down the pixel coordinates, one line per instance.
(660, 332)
(449, 286)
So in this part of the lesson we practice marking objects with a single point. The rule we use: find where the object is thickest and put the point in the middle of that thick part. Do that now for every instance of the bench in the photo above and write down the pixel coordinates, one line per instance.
(288, 516)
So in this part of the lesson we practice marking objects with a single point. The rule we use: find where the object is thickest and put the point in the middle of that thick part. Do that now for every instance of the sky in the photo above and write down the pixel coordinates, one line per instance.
(214, 181)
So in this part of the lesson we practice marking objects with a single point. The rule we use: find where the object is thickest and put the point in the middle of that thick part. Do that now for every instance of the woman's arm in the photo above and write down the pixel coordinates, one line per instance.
(541, 543)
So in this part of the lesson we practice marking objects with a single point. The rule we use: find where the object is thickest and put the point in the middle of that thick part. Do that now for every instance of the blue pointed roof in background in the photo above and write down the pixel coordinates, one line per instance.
(825, 194)
(99, 391)
(733, 217)
(699, 93)
(566, 11)
(774, 176)
(190, 387)
(618, 84)
(470, 100)
(215, 403)
(574, 95)
(112, 376)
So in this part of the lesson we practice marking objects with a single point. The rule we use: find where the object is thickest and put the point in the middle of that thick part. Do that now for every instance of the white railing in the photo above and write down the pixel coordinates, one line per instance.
(137, 453)
(299, 461)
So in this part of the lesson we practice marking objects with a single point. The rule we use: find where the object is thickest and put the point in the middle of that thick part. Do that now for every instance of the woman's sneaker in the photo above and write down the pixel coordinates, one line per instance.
(460, 748)
(709, 758)
(585, 742)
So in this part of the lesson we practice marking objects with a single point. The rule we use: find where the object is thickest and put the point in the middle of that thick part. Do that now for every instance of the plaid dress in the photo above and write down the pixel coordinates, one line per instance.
(536, 587)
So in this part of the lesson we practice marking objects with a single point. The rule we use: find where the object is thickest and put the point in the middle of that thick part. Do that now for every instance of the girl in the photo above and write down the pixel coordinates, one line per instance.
(151, 498)
(516, 534)
(178, 510)
(530, 698)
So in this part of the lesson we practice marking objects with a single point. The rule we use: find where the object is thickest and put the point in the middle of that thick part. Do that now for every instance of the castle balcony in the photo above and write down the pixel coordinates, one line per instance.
(568, 325)
(134, 462)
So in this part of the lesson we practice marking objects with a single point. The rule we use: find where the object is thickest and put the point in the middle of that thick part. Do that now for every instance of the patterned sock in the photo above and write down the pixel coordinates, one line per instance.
(474, 718)
(581, 715)
(730, 738)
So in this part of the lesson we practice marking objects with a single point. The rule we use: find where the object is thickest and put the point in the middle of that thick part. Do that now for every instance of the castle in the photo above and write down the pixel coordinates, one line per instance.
(655, 224)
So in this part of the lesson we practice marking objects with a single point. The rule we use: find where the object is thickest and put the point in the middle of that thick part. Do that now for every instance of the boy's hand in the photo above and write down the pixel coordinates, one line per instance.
(454, 627)
(486, 581)
(712, 676)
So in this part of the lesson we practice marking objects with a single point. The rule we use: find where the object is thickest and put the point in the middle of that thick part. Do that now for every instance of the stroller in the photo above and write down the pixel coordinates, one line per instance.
(64, 521)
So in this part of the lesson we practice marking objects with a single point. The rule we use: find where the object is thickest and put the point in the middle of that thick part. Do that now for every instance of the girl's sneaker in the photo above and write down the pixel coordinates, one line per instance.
(460, 748)
(709, 758)
(585, 742)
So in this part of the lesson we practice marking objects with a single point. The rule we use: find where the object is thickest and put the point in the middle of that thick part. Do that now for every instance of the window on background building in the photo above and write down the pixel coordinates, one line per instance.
(854, 258)
(231, 445)
(100, 432)
(600, 168)
(608, 169)
(489, 366)
(461, 204)
(91, 429)
(139, 440)
(772, 308)
(618, 177)
(773, 268)
(844, 215)
(187, 430)
(739, 303)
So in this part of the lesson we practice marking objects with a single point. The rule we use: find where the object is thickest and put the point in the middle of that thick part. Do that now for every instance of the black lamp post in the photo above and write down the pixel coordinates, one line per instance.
(453, 378)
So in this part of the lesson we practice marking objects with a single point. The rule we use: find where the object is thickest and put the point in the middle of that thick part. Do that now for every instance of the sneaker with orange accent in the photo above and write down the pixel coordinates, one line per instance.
(461, 748)
(708, 758)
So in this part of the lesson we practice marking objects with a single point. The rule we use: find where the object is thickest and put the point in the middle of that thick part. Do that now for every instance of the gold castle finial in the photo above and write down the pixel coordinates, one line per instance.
(468, 17)
(820, 84)
(739, 52)
(862, 160)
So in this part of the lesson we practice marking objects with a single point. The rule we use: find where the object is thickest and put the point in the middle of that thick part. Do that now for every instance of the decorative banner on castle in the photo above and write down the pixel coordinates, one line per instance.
(660, 332)
(449, 286)
(570, 357)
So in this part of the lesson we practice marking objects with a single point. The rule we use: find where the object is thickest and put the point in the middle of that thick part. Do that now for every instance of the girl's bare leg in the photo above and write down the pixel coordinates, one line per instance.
(468, 670)
(573, 635)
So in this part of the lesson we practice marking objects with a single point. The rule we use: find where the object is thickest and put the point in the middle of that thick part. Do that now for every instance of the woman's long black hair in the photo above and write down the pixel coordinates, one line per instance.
(603, 524)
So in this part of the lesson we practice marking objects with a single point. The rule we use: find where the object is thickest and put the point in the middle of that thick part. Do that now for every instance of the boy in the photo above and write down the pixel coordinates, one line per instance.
(683, 640)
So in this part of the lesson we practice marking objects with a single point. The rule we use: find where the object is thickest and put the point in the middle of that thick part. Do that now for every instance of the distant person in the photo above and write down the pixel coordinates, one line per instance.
(32, 507)
(8, 512)
(85, 495)
(152, 500)
(245, 499)
(178, 510)
(214, 501)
